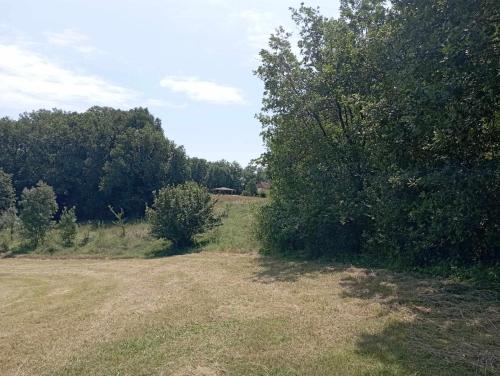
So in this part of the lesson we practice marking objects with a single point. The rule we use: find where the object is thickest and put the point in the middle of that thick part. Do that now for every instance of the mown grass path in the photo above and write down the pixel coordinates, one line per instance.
(214, 313)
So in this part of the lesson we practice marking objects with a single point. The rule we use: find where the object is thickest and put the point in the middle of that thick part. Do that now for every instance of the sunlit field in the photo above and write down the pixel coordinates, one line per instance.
(250, 188)
(224, 309)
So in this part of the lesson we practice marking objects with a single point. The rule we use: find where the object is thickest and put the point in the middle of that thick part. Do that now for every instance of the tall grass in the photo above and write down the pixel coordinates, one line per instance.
(99, 239)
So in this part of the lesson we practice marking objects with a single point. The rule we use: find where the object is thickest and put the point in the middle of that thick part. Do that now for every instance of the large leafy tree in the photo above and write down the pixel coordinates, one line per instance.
(198, 168)
(382, 133)
(224, 174)
(92, 159)
(178, 165)
(137, 165)
(313, 126)
(436, 131)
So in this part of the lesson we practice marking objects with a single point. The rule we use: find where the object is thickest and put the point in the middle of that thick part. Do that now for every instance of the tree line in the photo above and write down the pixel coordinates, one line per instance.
(106, 157)
(383, 133)
(177, 213)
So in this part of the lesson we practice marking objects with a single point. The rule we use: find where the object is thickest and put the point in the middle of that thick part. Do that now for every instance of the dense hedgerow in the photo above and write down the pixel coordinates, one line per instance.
(383, 134)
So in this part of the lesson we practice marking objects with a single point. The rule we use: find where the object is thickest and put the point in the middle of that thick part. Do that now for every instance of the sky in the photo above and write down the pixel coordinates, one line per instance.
(190, 62)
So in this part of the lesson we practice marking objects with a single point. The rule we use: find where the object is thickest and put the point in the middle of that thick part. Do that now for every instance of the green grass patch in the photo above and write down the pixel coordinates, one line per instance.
(99, 239)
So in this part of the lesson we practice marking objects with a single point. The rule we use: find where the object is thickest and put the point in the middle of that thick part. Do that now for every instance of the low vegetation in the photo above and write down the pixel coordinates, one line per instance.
(103, 239)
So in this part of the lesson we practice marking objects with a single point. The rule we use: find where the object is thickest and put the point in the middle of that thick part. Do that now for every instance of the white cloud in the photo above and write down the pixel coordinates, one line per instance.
(203, 91)
(30, 81)
(259, 26)
(72, 39)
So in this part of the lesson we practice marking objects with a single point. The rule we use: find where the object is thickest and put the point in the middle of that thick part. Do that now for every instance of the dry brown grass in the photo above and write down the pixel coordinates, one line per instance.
(215, 313)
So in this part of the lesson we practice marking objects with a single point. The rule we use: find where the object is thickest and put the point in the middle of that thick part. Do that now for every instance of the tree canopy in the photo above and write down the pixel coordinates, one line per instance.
(382, 133)
(103, 157)
(92, 159)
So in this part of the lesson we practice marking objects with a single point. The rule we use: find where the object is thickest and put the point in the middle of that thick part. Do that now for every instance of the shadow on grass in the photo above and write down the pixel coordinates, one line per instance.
(449, 328)
(167, 249)
(275, 268)
(452, 328)
(21, 249)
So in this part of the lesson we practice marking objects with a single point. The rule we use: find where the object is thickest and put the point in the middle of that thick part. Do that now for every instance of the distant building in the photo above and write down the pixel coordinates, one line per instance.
(263, 187)
(223, 191)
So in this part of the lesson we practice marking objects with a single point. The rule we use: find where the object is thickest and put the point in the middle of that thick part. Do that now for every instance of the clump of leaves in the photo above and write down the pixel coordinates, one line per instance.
(68, 226)
(180, 212)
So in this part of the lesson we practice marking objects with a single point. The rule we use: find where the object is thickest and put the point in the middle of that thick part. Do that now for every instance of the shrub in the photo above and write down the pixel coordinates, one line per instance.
(68, 226)
(38, 206)
(180, 212)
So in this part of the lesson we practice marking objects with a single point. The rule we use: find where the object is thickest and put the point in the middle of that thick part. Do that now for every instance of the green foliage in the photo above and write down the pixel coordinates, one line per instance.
(137, 165)
(68, 227)
(383, 134)
(9, 220)
(99, 239)
(180, 212)
(92, 159)
(7, 192)
(224, 174)
(252, 174)
(8, 211)
(178, 167)
(38, 206)
(103, 157)
(198, 168)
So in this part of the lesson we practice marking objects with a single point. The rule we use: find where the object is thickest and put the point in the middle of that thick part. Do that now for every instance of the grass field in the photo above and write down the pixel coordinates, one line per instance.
(227, 310)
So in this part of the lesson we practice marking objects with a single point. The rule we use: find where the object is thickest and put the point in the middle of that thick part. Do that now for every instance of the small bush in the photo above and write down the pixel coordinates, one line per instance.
(68, 227)
(180, 212)
(38, 206)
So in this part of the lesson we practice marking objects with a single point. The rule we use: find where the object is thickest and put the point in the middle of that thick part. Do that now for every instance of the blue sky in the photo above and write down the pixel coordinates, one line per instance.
(189, 61)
